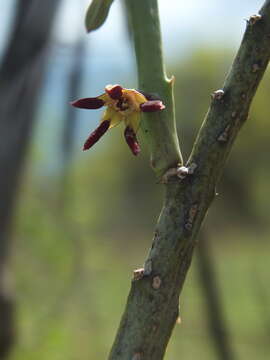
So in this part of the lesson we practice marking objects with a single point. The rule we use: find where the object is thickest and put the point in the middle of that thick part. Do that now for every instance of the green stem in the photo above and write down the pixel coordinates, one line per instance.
(159, 128)
(152, 305)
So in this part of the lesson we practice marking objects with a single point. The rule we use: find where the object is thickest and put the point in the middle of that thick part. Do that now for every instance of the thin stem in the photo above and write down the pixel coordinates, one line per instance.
(159, 128)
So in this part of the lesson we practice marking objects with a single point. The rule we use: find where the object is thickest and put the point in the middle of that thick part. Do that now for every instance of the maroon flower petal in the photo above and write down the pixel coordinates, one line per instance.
(132, 141)
(88, 103)
(152, 106)
(114, 91)
(96, 134)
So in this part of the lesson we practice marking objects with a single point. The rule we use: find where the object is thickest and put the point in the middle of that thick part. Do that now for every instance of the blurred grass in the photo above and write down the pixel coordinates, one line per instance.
(72, 279)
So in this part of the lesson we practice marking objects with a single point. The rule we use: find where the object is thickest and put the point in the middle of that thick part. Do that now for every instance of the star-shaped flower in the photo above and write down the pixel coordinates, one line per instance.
(122, 105)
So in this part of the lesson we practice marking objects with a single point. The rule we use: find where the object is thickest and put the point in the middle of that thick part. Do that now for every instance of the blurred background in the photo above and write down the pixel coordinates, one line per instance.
(74, 225)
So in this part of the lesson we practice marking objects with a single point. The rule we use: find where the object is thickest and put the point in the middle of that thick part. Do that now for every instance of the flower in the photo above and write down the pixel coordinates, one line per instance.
(122, 105)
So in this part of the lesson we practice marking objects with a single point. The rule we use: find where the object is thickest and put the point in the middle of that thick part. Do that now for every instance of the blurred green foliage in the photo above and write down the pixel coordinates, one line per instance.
(77, 240)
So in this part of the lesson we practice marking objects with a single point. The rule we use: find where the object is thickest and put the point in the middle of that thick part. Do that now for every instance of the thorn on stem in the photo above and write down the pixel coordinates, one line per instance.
(182, 172)
(138, 274)
(218, 94)
(253, 19)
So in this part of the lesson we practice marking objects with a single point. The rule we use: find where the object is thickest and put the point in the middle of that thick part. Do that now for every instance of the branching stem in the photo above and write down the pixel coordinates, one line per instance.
(152, 306)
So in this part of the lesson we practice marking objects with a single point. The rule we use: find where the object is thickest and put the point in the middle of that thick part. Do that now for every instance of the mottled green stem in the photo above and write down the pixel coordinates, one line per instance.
(152, 306)
(159, 128)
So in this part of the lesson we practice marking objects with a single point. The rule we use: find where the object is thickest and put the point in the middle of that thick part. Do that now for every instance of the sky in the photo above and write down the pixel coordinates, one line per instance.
(184, 24)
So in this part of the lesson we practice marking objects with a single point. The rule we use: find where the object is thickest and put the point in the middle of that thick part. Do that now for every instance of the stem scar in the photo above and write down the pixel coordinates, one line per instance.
(156, 282)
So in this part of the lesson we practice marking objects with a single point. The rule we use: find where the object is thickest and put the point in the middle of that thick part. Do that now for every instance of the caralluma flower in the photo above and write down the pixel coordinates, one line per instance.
(122, 105)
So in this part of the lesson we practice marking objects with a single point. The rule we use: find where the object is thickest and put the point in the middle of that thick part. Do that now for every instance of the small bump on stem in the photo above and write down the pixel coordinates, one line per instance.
(156, 282)
(218, 94)
(254, 19)
(138, 274)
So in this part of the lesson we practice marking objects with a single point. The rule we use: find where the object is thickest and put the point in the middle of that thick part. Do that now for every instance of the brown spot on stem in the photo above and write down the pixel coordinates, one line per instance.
(156, 282)
(193, 212)
(191, 217)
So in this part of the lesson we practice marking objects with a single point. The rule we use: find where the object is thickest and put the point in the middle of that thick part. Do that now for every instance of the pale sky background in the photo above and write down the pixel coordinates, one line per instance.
(186, 26)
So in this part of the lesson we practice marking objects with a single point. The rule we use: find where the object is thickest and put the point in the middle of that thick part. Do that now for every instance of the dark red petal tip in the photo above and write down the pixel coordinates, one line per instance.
(88, 103)
(114, 91)
(132, 141)
(152, 106)
(96, 134)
